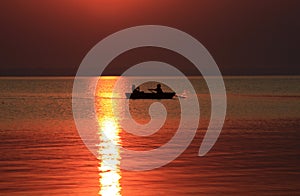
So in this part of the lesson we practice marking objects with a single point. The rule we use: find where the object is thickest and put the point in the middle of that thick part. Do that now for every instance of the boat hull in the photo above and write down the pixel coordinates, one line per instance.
(169, 95)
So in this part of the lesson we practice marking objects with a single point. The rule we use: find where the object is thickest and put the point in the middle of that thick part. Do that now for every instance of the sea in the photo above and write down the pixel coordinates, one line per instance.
(43, 152)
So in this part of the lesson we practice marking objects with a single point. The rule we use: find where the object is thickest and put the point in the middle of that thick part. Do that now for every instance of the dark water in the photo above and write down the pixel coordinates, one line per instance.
(257, 153)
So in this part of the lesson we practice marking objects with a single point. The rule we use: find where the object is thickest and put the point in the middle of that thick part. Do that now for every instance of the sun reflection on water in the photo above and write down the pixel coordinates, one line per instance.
(109, 156)
(109, 147)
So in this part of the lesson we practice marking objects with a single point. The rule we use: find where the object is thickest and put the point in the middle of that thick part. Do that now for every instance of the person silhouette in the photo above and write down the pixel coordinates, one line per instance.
(135, 89)
(157, 89)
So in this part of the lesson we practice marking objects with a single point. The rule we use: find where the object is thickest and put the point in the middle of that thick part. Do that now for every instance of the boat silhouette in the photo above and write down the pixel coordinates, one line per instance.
(143, 95)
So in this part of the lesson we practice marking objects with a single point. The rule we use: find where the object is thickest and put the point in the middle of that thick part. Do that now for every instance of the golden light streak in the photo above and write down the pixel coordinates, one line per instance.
(109, 146)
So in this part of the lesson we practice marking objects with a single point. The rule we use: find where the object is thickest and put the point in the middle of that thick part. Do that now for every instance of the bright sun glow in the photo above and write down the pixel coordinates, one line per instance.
(109, 154)
(109, 146)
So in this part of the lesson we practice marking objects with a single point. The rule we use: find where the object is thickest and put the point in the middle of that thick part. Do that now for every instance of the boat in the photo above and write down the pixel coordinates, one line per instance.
(142, 95)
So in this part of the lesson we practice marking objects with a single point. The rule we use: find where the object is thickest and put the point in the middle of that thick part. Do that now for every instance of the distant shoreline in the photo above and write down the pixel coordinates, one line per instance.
(190, 76)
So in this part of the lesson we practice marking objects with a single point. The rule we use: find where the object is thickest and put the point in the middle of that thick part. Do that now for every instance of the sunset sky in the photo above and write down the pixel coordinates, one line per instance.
(51, 37)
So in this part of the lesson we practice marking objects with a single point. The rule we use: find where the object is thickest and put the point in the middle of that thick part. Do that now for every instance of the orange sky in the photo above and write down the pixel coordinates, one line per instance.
(51, 37)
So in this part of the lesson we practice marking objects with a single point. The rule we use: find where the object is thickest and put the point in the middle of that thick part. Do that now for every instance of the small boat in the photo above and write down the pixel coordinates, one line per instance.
(142, 95)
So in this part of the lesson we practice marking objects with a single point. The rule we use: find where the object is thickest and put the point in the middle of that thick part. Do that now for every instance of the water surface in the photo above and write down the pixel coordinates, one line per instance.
(257, 152)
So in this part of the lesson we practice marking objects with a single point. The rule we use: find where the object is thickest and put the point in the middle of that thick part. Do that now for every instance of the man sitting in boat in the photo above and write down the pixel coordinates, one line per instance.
(136, 89)
(157, 89)
(137, 94)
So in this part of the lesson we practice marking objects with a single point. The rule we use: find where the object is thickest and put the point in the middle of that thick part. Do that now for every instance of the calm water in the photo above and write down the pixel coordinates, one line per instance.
(257, 153)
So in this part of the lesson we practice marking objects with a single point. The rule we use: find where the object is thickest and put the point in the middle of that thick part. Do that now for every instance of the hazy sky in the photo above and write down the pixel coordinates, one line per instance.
(51, 37)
